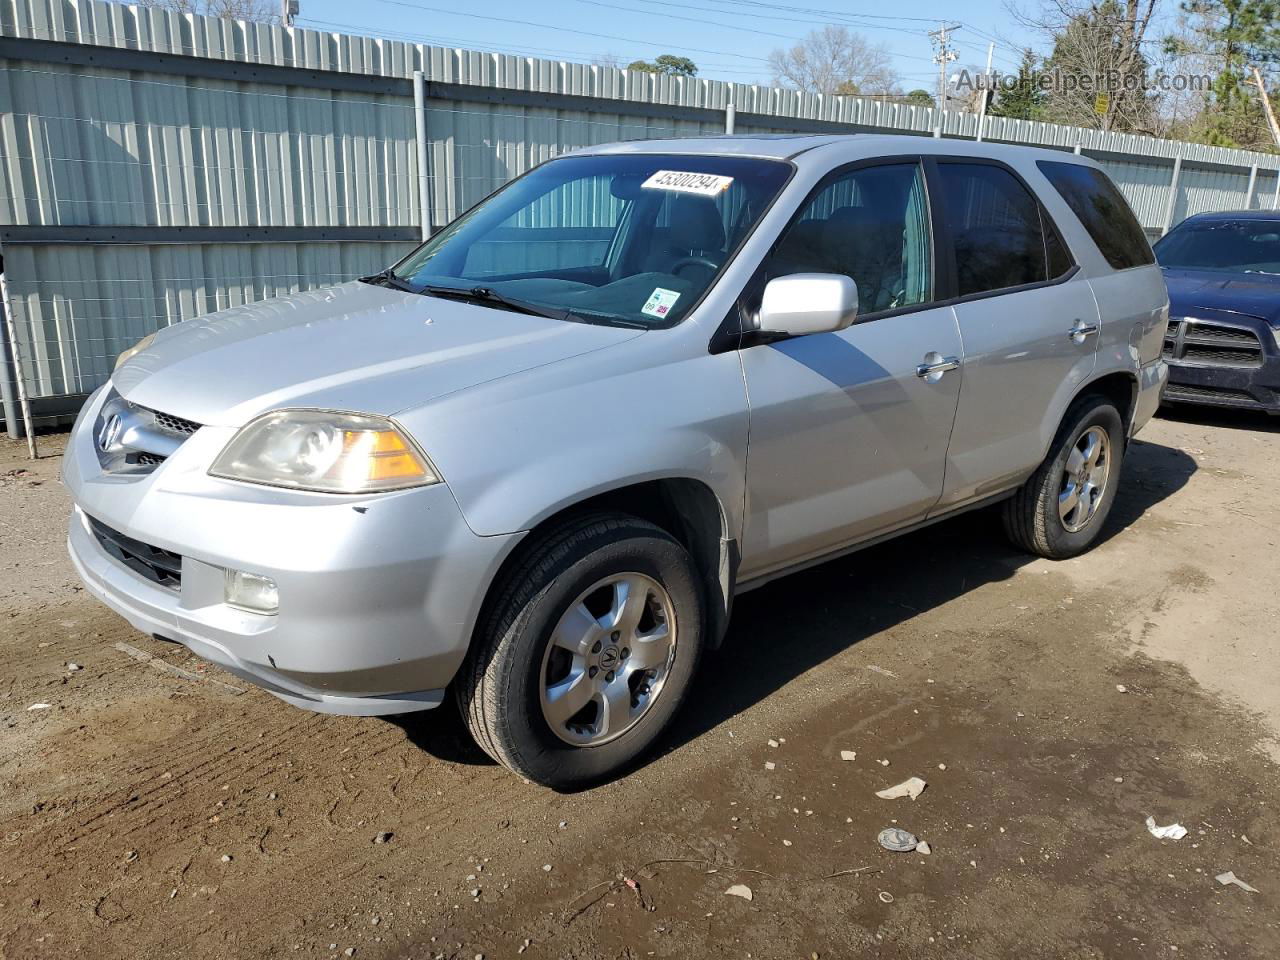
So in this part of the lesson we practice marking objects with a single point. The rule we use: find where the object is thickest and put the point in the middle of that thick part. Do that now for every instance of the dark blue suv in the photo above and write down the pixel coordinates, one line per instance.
(1223, 342)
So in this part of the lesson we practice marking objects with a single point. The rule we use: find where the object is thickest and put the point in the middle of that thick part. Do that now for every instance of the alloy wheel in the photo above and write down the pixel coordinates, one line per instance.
(607, 659)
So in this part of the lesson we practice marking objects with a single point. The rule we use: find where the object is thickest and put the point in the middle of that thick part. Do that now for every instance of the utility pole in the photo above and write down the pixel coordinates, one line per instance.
(986, 91)
(1266, 105)
(944, 54)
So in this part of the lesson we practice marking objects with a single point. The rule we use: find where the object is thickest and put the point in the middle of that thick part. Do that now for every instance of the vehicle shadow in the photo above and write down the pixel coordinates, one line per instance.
(792, 625)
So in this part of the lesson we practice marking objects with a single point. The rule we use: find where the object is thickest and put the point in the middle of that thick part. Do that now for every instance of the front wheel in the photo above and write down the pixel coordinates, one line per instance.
(1061, 510)
(585, 652)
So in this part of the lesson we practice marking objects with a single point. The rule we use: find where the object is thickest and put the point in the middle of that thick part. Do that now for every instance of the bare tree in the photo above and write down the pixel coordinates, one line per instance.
(1103, 46)
(261, 11)
(835, 60)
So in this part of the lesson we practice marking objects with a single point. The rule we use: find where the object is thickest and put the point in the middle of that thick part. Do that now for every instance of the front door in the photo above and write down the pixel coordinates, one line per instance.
(848, 435)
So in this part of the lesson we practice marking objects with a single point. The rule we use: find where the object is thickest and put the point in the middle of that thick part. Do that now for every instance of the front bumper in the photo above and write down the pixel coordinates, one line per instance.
(1245, 376)
(378, 594)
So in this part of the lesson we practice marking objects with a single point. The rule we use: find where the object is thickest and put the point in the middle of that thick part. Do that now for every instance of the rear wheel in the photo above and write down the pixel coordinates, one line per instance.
(586, 651)
(1061, 510)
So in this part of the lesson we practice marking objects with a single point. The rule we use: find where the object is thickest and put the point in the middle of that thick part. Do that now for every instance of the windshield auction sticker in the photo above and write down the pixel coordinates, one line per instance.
(701, 184)
(660, 302)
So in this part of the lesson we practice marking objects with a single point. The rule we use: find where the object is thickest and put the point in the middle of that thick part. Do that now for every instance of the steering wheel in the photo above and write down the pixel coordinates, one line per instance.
(694, 262)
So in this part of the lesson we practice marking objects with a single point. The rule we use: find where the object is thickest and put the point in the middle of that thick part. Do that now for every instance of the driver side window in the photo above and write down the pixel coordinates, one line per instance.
(870, 224)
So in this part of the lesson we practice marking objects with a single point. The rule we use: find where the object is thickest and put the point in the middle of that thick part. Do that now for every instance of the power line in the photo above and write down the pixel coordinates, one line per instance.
(558, 27)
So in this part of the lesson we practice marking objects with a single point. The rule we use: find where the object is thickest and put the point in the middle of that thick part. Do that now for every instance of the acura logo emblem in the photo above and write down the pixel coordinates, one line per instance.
(609, 658)
(109, 433)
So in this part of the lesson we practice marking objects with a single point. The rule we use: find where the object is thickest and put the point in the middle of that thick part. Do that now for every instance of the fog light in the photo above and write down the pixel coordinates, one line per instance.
(249, 591)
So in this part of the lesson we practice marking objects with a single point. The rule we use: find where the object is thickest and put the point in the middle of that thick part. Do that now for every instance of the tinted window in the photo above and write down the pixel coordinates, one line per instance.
(1095, 200)
(1055, 250)
(1236, 246)
(872, 225)
(995, 228)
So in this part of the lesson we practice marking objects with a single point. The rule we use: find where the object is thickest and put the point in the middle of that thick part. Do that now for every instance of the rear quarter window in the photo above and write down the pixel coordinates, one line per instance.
(1101, 208)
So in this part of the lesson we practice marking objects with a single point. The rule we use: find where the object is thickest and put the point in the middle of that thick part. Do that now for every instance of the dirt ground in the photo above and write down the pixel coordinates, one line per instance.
(1052, 707)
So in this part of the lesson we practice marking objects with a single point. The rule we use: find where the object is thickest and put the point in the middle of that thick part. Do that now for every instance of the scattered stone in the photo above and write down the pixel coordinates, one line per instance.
(226, 858)
(886, 896)
(384, 837)
(739, 890)
(884, 763)
(942, 766)
(40, 706)
(923, 847)
(564, 824)
(770, 765)
(897, 840)
(475, 892)
(350, 951)
(1121, 688)
(911, 787)
(546, 868)
(131, 856)
(73, 667)
(848, 755)
(786, 843)
(773, 743)
(271, 795)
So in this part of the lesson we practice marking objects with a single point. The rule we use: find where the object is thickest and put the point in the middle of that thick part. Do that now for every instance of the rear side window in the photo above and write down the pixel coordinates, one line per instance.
(1102, 209)
(1000, 236)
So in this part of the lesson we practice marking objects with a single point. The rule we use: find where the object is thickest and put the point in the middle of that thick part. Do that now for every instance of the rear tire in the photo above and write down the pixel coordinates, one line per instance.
(585, 651)
(1061, 509)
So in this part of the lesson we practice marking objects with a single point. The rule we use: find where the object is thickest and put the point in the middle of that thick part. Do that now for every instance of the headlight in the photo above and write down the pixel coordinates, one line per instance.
(134, 350)
(327, 452)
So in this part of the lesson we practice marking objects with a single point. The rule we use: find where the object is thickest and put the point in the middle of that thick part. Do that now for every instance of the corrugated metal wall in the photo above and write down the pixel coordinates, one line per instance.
(225, 149)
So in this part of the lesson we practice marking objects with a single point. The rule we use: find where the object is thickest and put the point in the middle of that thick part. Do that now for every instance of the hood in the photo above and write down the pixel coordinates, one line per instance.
(1255, 295)
(352, 347)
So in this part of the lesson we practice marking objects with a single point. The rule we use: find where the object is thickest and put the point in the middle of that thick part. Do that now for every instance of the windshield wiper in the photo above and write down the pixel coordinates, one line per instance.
(485, 295)
(389, 278)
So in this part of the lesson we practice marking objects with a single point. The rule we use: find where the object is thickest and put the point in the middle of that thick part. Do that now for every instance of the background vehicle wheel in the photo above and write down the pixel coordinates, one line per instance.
(585, 651)
(1061, 510)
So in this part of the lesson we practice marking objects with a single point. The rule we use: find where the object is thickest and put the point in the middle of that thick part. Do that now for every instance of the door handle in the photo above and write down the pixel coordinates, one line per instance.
(936, 369)
(1082, 331)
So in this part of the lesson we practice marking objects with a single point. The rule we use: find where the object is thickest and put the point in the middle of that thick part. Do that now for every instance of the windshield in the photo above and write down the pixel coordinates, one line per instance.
(634, 239)
(1236, 246)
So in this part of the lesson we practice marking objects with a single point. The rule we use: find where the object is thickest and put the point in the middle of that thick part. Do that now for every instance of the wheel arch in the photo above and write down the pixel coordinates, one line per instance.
(1118, 386)
(686, 508)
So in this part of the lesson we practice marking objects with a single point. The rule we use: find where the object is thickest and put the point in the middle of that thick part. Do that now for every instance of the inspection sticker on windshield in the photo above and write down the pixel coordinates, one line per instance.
(703, 184)
(660, 302)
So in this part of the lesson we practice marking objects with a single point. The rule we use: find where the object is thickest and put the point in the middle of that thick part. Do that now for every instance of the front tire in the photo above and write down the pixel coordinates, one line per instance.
(1061, 510)
(585, 651)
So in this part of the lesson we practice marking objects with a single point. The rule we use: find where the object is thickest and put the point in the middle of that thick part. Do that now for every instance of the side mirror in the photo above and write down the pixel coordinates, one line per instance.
(805, 303)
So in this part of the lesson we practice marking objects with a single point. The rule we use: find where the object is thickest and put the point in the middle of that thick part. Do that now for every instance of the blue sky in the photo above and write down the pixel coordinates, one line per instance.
(728, 39)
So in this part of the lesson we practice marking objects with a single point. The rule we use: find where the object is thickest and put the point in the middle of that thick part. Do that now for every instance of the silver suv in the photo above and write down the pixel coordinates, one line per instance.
(534, 461)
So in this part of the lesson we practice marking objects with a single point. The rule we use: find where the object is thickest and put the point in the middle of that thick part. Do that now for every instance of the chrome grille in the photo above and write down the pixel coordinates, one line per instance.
(134, 439)
(174, 424)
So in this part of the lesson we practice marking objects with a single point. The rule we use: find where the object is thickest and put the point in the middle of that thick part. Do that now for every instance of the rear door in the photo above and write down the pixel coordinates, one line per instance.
(848, 435)
(1027, 317)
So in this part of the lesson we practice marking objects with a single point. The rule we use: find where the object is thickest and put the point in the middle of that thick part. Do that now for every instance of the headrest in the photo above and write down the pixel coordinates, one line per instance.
(695, 224)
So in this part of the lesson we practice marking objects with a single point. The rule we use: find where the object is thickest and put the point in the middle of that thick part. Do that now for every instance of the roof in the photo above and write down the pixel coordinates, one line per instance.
(788, 145)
